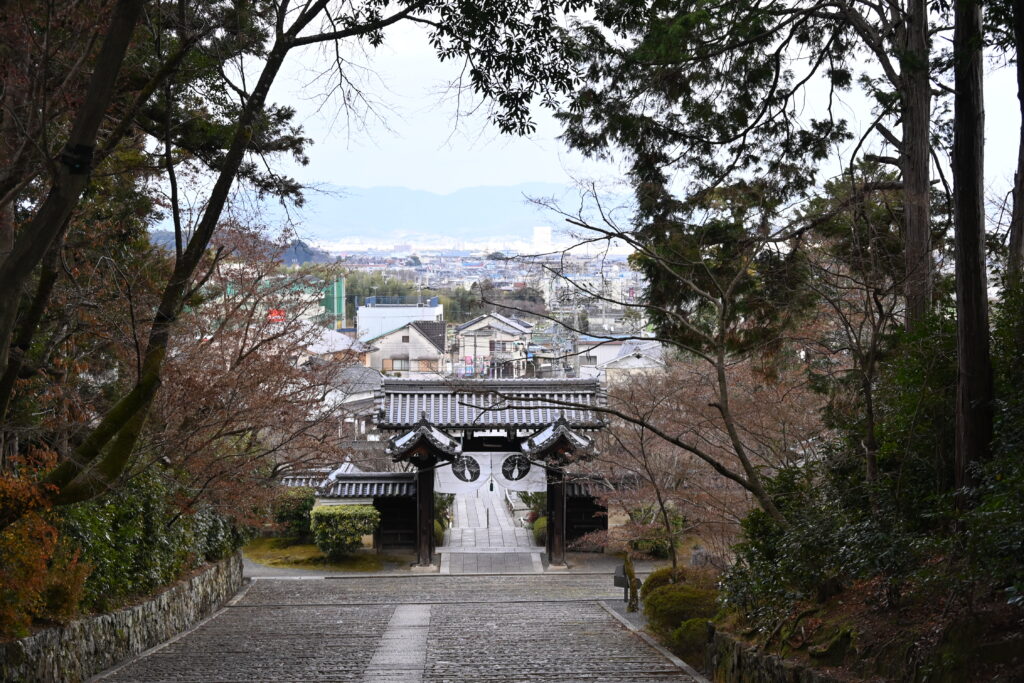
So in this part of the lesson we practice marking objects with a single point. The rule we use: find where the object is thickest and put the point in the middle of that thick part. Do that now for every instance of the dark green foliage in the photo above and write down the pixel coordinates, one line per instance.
(669, 606)
(661, 577)
(443, 508)
(996, 524)
(825, 543)
(540, 530)
(651, 537)
(689, 639)
(839, 529)
(706, 89)
(739, 291)
(291, 510)
(916, 398)
(338, 529)
(538, 502)
(218, 535)
(136, 540)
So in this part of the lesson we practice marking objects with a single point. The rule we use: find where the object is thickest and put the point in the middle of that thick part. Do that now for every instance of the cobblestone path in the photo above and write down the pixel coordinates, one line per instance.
(472, 629)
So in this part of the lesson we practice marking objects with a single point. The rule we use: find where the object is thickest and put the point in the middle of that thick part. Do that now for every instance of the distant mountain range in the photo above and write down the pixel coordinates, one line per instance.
(297, 253)
(341, 219)
(471, 218)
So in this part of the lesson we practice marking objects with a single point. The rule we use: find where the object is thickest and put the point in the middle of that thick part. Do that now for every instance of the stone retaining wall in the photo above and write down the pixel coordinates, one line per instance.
(730, 660)
(84, 647)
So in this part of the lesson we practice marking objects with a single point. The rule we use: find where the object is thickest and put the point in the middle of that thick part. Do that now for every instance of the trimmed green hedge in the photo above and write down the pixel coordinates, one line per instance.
(540, 530)
(668, 607)
(338, 529)
(660, 577)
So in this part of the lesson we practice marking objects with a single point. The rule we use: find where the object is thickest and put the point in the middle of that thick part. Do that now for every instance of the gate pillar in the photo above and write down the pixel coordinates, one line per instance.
(556, 517)
(425, 511)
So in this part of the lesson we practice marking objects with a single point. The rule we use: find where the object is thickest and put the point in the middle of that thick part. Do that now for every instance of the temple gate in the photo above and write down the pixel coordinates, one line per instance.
(521, 423)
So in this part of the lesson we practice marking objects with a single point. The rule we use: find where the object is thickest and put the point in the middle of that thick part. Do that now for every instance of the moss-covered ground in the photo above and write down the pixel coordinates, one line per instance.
(294, 553)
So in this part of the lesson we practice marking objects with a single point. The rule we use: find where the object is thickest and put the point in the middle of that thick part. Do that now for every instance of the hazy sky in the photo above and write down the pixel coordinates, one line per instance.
(418, 144)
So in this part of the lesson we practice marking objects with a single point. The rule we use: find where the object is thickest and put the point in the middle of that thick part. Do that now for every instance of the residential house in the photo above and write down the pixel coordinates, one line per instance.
(594, 351)
(636, 357)
(415, 349)
(492, 345)
(353, 395)
(327, 344)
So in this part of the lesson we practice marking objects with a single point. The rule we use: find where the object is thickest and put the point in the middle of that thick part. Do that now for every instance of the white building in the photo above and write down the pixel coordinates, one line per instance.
(382, 314)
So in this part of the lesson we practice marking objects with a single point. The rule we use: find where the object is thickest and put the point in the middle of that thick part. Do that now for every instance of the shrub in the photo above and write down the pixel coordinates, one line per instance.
(654, 543)
(65, 585)
(216, 536)
(25, 548)
(338, 529)
(669, 606)
(136, 539)
(540, 530)
(291, 511)
(689, 639)
(443, 508)
(537, 502)
(438, 533)
(661, 577)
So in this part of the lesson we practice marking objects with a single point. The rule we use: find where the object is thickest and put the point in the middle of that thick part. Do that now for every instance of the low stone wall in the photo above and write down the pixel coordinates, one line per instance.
(730, 660)
(84, 647)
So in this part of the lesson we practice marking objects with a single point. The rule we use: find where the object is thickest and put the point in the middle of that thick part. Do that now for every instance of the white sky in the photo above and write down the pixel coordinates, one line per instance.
(419, 144)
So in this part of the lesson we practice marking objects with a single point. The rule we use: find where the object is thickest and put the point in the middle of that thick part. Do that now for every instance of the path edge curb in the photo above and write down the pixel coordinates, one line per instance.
(647, 638)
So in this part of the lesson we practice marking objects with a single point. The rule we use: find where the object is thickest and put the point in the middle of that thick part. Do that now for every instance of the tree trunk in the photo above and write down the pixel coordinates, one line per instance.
(104, 455)
(870, 436)
(916, 96)
(974, 366)
(73, 169)
(1015, 259)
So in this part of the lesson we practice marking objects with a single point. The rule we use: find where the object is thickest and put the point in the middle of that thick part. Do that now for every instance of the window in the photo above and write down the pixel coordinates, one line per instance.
(405, 339)
(399, 363)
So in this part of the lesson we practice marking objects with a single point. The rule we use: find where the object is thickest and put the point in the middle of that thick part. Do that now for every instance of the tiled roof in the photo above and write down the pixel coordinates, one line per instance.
(433, 330)
(306, 480)
(557, 431)
(504, 323)
(424, 431)
(585, 488)
(370, 485)
(487, 404)
(356, 379)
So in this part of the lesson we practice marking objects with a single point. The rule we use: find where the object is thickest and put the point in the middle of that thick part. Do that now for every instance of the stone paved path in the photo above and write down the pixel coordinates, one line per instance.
(484, 538)
(420, 629)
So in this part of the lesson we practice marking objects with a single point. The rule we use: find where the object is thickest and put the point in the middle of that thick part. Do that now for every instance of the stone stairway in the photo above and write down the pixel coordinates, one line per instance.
(484, 539)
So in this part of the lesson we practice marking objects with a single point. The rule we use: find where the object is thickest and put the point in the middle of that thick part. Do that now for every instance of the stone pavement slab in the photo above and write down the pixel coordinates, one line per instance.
(431, 629)
(491, 563)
